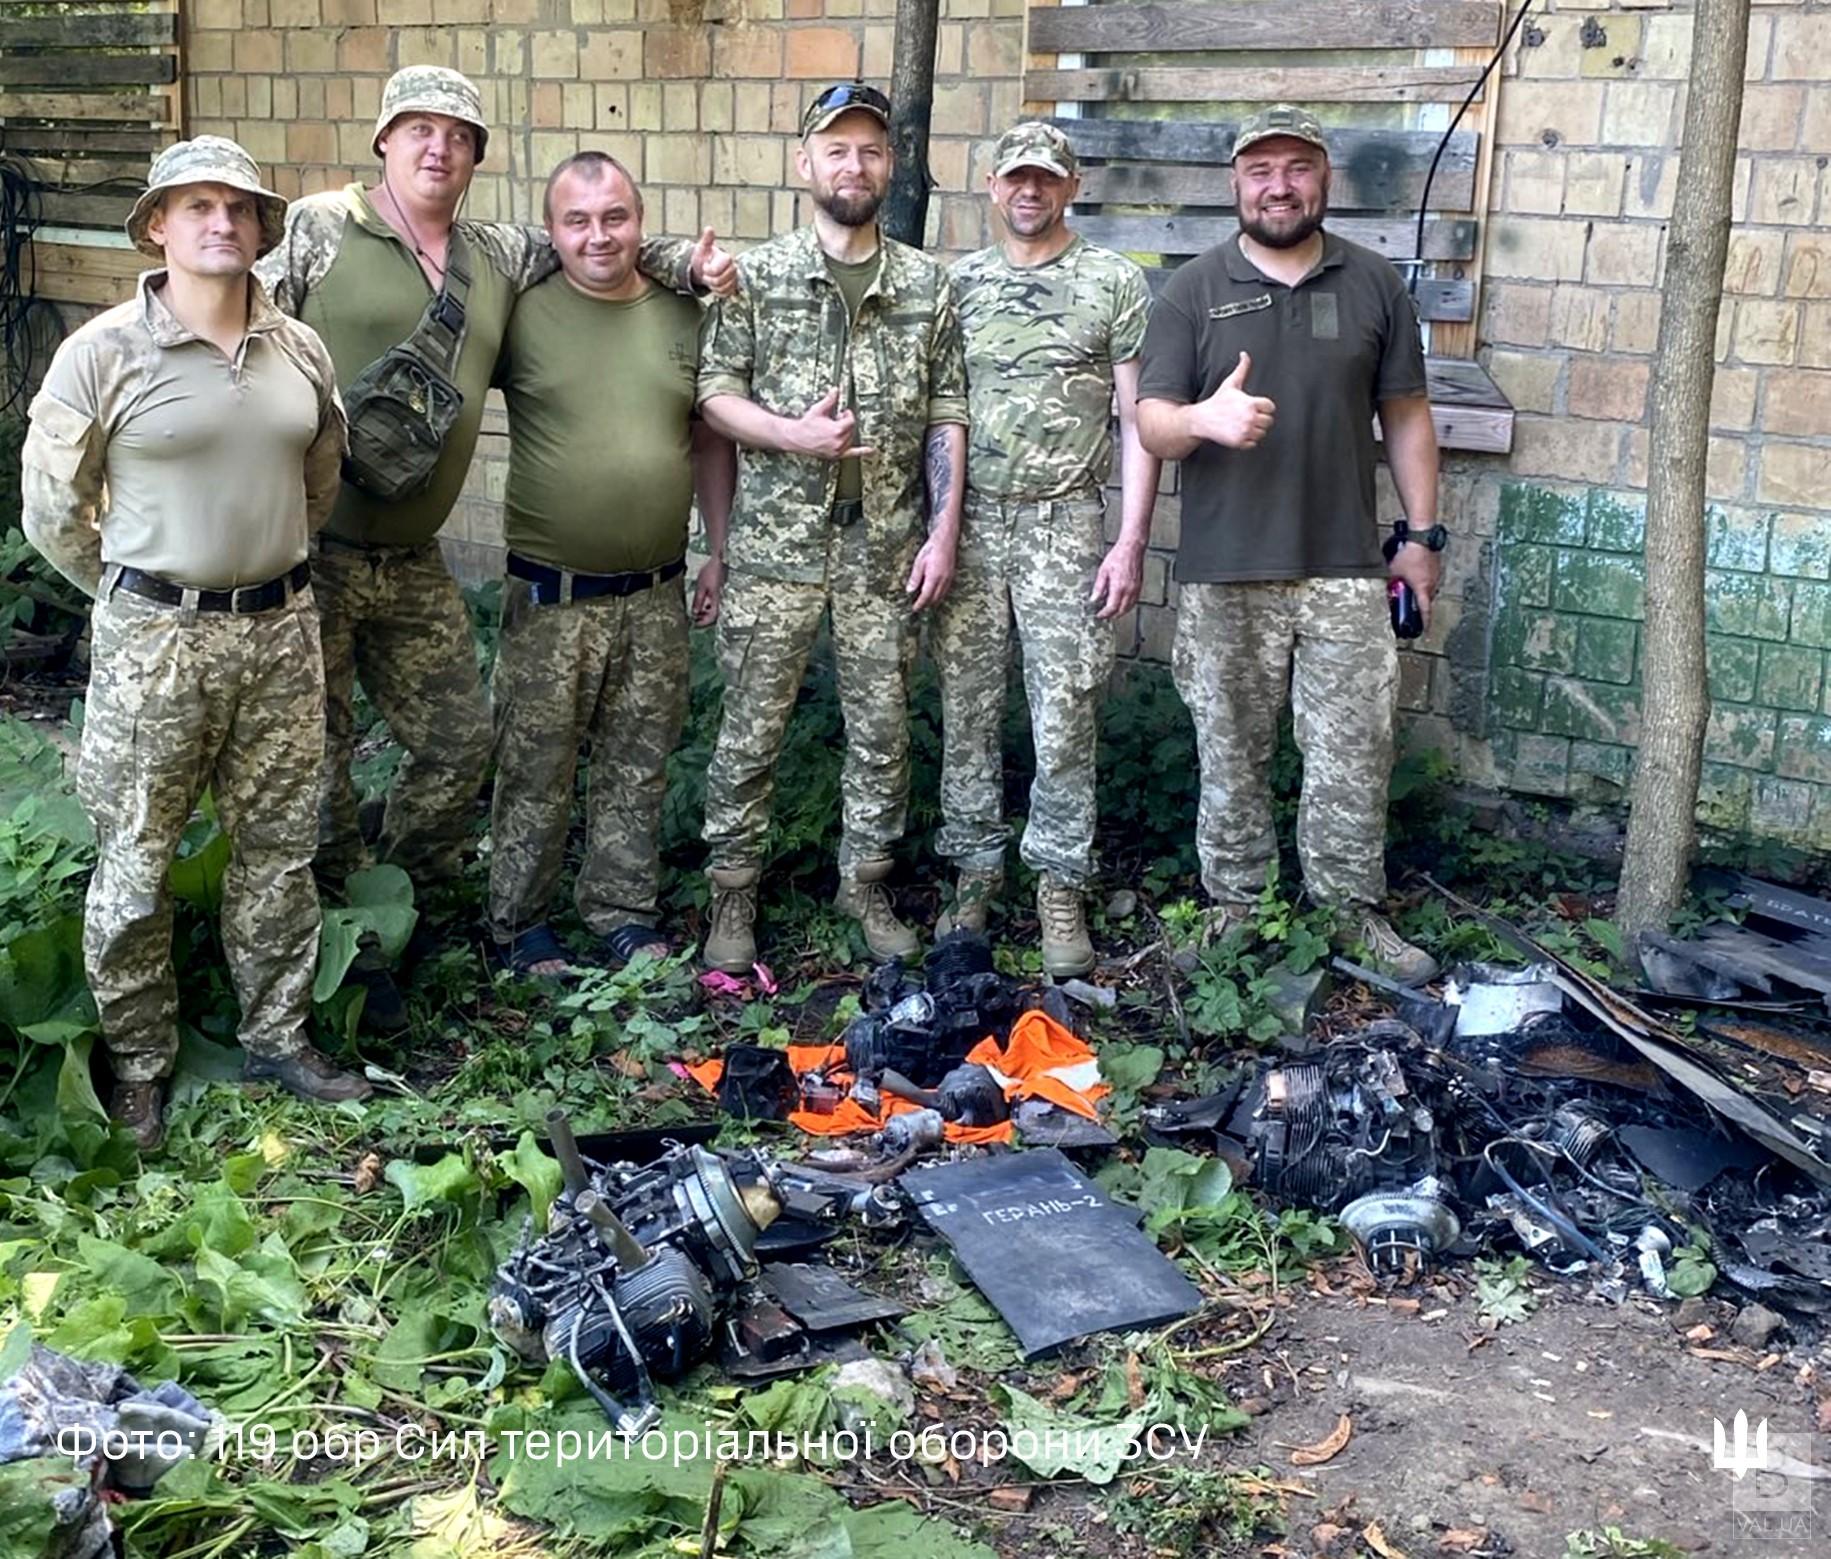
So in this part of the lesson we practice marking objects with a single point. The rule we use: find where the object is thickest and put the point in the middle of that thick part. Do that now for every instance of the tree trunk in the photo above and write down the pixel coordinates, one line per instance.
(912, 104)
(1675, 699)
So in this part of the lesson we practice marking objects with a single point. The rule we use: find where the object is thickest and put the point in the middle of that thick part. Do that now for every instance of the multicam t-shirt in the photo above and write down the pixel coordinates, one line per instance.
(1041, 342)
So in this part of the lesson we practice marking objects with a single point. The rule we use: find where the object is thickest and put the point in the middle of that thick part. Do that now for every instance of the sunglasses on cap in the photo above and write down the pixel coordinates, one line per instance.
(848, 94)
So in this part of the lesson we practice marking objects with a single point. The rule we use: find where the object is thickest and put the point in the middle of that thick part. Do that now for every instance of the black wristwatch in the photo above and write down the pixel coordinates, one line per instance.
(1435, 539)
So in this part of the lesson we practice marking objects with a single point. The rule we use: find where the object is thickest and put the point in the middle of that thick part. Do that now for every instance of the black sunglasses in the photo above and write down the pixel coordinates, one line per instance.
(848, 94)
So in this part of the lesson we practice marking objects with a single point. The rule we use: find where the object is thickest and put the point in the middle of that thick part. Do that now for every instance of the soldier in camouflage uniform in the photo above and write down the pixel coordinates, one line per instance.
(605, 453)
(1052, 326)
(837, 369)
(360, 266)
(184, 447)
(1283, 586)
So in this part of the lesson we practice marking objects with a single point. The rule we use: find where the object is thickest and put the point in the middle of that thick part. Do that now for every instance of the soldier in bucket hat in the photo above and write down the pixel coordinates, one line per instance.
(183, 449)
(362, 265)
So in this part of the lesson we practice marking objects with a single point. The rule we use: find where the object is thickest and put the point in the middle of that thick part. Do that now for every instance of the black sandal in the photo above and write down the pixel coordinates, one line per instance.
(536, 945)
(624, 942)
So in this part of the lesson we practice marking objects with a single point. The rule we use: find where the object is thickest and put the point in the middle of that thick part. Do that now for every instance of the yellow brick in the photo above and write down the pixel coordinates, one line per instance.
(311, 143)
(1798, 401)
(1802, 45)
(747, 160)
(681, 208)
(1725, 468)
(208, 52)
(1732, 398)
(718, 210)
(427, 46)
(1592, 183)
(612, 106)
(1783, 191)
(1650, 186)
(362, 49)
(1815, 127)
(456, 12)
(309, 98)
(878, 54)
(1619, 56)
(752, 219)
(1580, 318)
(579, 107)
(994, 49)
(1766, 332)
(293, 13)
(556, 55)
(353, 144)
(339, 101)
(1753, 265)
(254, 14)
(1637, 113)
(235, 98)
(1797, 475)
(404, 13)
(1550, 113)
(473, 52)
(1528, 379)
(785, 101)
(1665, 52)
(822, 54)
(716, 106)
(1558, 54)
(310, 52)
(509, 52)
(264, 140)
(950, 49)
(260, 97)
(1808, 265)
(1516, 315)
(612, 56)
(947, 161)
(257, 53)
(680, 159)
(1535, 182)
(349, 13)
(206, 99)
(548, 148)
(523, 11)
(1771, 118)
(1623, 254)
(749, 52)
(1569, 450)
(680, 105)
(644, 106)
(1535, 248)
(961, 107)
(1636, 322)
(683, 53)
(216, 14)
(1607, 389)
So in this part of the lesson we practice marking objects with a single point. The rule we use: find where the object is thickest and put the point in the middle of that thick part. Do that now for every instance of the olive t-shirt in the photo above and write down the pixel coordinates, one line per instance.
(853, 278)
(1327, 352)
(600, 397)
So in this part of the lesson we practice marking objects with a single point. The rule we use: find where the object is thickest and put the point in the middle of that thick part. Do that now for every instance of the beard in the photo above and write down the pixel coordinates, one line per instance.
(1289, 234)
(850, 208)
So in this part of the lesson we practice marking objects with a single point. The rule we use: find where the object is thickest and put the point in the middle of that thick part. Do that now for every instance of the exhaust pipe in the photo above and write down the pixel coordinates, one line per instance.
(566, 1150)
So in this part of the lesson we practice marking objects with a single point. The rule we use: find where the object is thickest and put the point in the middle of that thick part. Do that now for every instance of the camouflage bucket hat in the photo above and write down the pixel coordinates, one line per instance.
(209, 159)
(1034, 144)
(1279, 119)
(431, 89)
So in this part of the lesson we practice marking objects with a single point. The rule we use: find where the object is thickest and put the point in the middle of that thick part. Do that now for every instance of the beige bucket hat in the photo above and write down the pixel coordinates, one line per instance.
(209, 159)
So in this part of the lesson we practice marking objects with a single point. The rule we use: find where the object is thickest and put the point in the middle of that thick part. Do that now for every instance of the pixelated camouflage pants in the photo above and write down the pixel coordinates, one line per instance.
(393, 617)
(180, 702)
(610, 674)
(1327, 645)
(1032, 564)
(766, 630)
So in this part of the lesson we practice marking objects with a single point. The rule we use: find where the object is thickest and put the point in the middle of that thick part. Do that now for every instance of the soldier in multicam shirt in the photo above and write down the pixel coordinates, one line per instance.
(184, 447)
(1052, 326)
(360, 266)
(837, 370)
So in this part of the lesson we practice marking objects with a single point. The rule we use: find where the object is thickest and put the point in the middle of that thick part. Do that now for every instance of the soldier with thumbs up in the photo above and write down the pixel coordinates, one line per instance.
(1265, 362)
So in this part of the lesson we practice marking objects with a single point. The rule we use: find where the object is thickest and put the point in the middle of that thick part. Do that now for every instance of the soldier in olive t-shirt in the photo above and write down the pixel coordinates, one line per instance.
(605, 454)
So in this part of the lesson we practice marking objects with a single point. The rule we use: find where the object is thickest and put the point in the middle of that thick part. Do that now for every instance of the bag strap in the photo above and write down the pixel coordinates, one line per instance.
(439, 336)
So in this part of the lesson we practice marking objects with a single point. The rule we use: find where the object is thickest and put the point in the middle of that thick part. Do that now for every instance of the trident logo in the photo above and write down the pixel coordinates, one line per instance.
(1738, 1457)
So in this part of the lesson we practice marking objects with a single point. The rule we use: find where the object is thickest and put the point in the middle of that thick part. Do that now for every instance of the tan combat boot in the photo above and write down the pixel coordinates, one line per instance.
(863, 896)
(975, 889)
(1385, 951)
(731, 943)
(1067, 949)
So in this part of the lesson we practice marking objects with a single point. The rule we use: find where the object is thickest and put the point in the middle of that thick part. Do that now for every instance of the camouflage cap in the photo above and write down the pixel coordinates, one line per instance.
(1279, 119)
(209, 159)
(431, 89)
(1034, 144)
(843, 98)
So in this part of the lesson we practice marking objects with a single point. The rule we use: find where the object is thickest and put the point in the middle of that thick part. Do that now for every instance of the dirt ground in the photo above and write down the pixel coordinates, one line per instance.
(1585, 1415)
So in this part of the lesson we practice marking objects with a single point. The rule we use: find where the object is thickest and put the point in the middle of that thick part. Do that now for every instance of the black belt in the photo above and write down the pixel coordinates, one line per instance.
(549, 583)
(248, 598)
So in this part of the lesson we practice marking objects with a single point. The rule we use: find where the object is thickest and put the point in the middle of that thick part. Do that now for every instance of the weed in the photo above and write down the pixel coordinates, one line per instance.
(1195, 1509)
(1613, 1543)
(1501, 1289)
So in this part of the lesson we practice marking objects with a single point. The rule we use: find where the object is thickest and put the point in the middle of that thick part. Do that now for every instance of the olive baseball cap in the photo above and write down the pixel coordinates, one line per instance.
(1034, 144)
(1279, 119)
(431, 89)
(208, 159)
(842, 99)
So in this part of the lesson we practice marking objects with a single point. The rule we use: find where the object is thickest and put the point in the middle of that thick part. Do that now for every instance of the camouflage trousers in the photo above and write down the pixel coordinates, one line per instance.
(610, 674)
(1032, 564)
(393, 617)
(1327, 645)
(180, 702)
(766, 631)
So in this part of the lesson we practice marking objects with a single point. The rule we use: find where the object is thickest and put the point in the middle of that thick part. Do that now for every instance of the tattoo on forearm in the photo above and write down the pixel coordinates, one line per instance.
(940, 471)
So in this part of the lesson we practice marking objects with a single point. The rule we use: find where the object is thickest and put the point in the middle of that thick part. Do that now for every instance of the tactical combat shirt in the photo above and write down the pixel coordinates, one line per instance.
(782, 342)
(1041, 341)
(1327, 352)
(151, 449)
(344, 271)
(600, 409)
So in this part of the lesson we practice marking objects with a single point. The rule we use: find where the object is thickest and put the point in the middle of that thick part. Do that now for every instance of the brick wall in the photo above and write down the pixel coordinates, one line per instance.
(1545, 615)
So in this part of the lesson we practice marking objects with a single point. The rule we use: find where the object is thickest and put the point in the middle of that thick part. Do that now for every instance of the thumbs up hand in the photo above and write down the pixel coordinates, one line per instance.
(1231, 416)
(713, 267)
(824, 431)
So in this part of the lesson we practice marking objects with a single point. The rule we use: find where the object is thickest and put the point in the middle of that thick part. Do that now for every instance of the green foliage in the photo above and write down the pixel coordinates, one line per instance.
(1612, 1543)
(1501, 1289)
(1692, 1271)
(1193, 1510)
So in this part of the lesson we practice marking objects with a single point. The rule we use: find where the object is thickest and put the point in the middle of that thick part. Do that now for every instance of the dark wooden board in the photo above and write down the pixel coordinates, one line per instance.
(1378, 175)
(89, 210)
(78, 69)
(1274, 84)
(129, 107)
(1396, 238)
(1285, 25)
(88, 29)
(30, 140)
